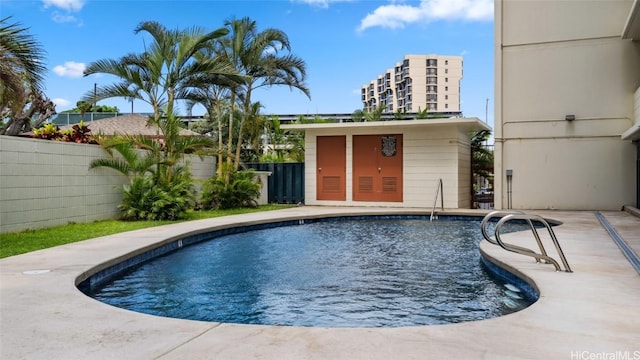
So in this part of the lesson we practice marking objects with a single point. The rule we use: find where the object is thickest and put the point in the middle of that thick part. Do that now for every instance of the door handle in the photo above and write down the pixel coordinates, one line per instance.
(379, 169)
(319, 169)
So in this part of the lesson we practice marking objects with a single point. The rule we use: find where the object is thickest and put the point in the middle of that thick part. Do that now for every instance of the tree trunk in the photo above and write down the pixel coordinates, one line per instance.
(22, 122)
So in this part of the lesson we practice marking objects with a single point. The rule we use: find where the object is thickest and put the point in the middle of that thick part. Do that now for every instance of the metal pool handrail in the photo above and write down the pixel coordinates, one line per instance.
(491, 215)
(500, 214)
(435, 200)
(517, 215)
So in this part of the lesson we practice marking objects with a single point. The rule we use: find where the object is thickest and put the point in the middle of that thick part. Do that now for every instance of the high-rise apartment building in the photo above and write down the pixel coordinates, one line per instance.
(419, 82)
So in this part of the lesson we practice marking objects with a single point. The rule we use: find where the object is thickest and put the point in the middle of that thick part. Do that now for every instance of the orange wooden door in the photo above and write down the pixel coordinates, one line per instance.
(377, 168)
(331, 171)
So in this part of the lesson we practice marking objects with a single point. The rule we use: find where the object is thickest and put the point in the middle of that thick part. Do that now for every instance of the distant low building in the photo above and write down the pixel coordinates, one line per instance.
(132, 124)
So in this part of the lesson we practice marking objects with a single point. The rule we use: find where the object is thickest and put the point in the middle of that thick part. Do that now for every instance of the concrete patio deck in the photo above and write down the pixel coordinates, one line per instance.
(592, 313)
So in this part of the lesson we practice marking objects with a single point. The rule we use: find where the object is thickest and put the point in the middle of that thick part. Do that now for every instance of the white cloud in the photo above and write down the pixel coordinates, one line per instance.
(320, 3)
(391, 16)
(69, 5)
(395, 16)
(63, 18)
(61, 102)
(70, 69)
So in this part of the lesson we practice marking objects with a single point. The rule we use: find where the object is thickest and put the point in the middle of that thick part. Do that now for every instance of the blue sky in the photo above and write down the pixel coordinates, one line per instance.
(345, 43)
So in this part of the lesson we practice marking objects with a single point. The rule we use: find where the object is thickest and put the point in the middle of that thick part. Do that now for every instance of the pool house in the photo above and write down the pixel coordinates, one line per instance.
(397, 163)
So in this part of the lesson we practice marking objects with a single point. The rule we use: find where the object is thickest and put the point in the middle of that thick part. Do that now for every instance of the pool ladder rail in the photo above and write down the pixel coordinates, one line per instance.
(435, 201)
(507, 216)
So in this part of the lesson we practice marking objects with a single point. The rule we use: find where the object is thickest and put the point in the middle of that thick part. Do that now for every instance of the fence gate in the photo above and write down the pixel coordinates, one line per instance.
(286, 183)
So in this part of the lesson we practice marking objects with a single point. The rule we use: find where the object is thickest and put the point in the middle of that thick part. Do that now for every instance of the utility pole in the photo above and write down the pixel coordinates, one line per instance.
(95, 91)
(486, 112)
(486, 120)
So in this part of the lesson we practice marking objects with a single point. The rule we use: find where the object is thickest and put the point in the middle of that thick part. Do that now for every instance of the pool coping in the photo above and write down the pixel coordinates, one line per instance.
(43, 315)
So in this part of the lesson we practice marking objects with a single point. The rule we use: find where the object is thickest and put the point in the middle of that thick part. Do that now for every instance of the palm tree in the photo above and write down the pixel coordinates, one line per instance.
(160, 185)
(422, 114)
(21, 79)
(158, 74)
(162, 153)
(213, 91)
(257, 55)
(128, 161)
(215, 100)
(481, 156)
(375, 115)
(254, 127)
(21, 63)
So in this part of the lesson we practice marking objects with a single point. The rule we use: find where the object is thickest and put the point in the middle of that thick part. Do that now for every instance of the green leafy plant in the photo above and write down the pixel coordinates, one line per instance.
(422, 114)
(149, 197)
(48, 131)
(159, 187)
(242, 189)
(79, 133)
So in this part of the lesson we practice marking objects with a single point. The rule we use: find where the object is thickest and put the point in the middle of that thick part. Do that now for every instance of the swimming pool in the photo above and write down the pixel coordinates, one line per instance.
(368, 272)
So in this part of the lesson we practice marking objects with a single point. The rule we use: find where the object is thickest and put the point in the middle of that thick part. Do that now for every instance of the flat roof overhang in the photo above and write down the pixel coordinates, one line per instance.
(633, 133)
(632, 26)
(466, 124)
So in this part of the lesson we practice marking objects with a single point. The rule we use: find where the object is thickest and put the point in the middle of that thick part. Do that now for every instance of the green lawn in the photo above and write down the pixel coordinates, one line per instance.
(31, 240)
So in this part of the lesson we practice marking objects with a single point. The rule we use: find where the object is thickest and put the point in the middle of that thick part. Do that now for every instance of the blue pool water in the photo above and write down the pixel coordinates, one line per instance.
(348, 273)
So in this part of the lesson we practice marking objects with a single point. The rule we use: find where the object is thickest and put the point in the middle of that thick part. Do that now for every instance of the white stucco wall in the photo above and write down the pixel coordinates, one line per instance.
(636, 102)
(47, 183)
(574, 64)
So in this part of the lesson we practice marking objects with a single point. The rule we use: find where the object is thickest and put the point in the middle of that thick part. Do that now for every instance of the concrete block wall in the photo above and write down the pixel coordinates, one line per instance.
(47, 183)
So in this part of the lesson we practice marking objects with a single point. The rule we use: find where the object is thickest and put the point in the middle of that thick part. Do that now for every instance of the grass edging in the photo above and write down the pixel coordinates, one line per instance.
(31, 240)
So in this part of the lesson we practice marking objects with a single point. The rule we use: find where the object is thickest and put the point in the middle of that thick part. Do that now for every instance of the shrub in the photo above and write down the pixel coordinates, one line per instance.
(47, 131)
(149, 197)
(79, 133)
(241, 190)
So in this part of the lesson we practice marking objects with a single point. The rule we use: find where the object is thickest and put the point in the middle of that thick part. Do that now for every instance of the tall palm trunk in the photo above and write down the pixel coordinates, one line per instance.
(246, 111)
(230, 139)
(220, 146)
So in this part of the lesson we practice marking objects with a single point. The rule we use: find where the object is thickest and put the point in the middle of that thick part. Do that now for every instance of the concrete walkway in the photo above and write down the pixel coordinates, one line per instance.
(591, 312)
